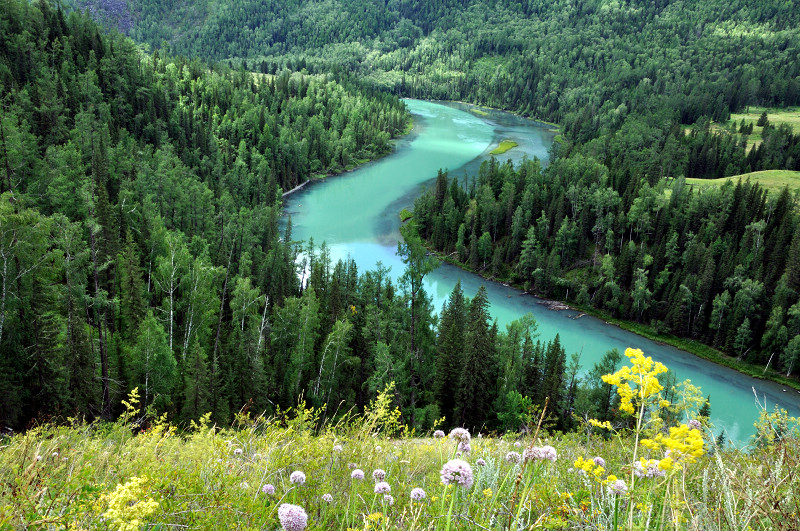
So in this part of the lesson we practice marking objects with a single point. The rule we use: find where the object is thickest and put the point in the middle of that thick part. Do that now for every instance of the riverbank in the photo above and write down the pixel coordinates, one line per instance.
(693, 347)
(322, 176)
(483, 111)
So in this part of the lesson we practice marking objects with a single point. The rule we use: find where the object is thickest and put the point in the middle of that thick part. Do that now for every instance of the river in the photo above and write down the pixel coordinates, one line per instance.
(356, 214)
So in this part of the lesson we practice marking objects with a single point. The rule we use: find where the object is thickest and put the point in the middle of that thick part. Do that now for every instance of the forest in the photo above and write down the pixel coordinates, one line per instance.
(140, 233)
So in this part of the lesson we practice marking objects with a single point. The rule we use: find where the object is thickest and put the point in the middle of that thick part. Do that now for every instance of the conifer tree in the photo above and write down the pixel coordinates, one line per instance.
(475, 395)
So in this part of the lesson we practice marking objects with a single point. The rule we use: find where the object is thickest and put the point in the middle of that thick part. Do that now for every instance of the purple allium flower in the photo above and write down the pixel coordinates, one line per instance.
(382, 488)
(517, 444)
(460, 435)
(694, 424)
(378, 474)
(297, 477)
(650, 471)
(618, 487)
(541, 452)
(327, 498)
(238, 451)
(599, 461)
(480, 462)
(351, 466)
(417, 494)
(438, 434)
(388, 499)
(357, 474)
(268, 489)
(513, 457)
(292, 517)
(337, 448)
(458, 472)
(464, 447)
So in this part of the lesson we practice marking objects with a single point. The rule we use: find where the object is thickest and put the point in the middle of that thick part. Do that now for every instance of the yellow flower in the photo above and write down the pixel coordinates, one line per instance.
(374, 517)
(605, 424)
(642, 373)
(128, 505)
(684, 444)
(487, 493)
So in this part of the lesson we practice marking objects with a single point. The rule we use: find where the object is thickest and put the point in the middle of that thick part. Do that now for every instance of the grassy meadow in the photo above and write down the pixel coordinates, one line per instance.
(772, 180)
(295, 471)
(789, 116)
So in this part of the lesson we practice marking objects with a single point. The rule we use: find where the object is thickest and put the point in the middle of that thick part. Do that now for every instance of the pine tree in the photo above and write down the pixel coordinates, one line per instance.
(450, 344)
(475, 395)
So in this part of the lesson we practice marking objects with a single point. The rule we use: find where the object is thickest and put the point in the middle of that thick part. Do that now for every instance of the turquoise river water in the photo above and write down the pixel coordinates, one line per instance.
(356, 214)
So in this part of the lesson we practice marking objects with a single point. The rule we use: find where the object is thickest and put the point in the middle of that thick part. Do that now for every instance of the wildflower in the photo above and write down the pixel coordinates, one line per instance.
(648, 468)
(480, 462)
(268, 489)
(238, 451)
(245, 485)
(683, 443)
(438, 434)
(129, 504)
(327, 498)
(388, 499)
(337, 448)
(382, 488)
(605, 424)
(460, 435)
(513, 457)
(584, 466)
(618, 487)
(543, 452)
(694, 424)
(487, 493)
(642, 373)
(517, 444)
(297, 477)
(599, 461)
(351, 466)
(457, 472)
(378, 475)
(357, 474)
(464, 447)
(292, 517)
(417, 494)
(55, 454)
(377, 448)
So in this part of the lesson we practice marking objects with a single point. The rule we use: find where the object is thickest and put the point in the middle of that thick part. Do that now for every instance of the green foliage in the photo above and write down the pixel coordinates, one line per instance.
(140, 223)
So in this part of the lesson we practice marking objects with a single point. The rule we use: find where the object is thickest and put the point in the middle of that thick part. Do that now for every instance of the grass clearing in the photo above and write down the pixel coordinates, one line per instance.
(789, 116)
(772, 180)
(504, 146)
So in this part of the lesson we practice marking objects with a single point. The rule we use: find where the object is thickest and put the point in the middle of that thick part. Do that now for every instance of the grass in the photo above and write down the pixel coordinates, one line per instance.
(103, 476)
(504, 146)
(788, 115)
(772, 180)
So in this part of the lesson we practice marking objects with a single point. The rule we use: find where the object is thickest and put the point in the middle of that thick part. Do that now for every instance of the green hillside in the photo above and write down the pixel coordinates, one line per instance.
(772, 180)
